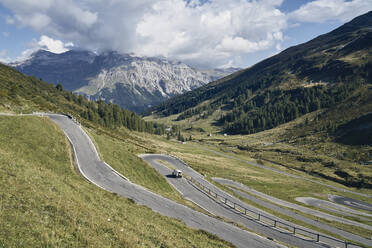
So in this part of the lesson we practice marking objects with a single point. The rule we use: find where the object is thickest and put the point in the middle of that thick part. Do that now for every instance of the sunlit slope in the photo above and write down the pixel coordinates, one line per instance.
(320, 74)
(46, 203)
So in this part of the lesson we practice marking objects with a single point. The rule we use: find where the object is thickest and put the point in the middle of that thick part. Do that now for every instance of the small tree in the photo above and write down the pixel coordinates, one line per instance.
(59, 87)
(180, 137)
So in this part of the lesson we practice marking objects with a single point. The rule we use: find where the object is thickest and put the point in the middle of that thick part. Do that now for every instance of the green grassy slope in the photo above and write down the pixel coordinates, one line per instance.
(330, 142)
(321, 73)
(24, 94)
(46, 203)
(260, 148)
(120, 148)
(313, 102)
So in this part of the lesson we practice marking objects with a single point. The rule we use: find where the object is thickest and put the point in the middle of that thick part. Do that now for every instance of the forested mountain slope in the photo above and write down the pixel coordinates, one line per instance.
(26, 94)
(319, 74)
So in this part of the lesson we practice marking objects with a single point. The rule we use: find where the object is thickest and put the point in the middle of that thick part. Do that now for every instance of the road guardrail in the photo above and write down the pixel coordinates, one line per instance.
(317, 237)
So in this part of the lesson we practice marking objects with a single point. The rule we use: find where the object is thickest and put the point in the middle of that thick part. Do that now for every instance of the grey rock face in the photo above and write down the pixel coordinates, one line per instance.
(132, 82)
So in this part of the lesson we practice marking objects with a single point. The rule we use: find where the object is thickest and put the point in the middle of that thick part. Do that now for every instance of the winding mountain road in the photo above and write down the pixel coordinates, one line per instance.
(190, 191)
(283, 172)
(351, 202)
(243, 188)
(102, 175)
(335, 208)
(105, 177)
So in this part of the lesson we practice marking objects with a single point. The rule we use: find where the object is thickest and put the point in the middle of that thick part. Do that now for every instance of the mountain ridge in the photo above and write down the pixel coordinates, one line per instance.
(132, 82)
(342, 56)
(307, 108)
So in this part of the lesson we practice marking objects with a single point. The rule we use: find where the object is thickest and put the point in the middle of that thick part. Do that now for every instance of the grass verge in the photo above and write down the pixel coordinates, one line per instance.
(268, 182)
(122, 157)
(45, 203)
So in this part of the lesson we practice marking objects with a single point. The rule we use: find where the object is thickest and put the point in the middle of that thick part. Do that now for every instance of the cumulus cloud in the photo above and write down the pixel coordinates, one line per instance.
(45, 43)
(214, 32)
(54, 46)
(50, 14)
(199, 32)
(325, 10)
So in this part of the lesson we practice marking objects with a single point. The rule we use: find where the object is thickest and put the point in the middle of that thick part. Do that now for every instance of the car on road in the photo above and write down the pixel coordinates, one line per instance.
(177, 173)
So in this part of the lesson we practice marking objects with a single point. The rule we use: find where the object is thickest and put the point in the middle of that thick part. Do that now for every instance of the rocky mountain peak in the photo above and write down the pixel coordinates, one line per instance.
(131, 81)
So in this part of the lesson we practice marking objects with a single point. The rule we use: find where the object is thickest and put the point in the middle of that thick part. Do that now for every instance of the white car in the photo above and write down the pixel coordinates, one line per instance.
(177, 173)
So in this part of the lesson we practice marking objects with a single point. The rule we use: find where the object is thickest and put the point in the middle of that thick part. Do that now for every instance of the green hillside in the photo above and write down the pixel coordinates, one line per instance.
(24, 94)
(45, 202)
(319, 74)
(314, 99)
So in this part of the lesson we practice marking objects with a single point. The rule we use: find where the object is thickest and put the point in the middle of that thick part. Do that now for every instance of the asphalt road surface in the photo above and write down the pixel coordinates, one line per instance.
(244, 189)
(334, 207)
(350, 202)
(102, 175)
(201, 198)
(298, 207)
(283, 173)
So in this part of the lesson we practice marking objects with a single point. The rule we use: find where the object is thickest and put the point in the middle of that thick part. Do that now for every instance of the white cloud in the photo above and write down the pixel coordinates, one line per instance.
(241, 45)
(5, 34)
(45, 43)
(325, 10)
(202, 33)
(54, 46)
(4, 58)
(52, 16)
(25, 54)
(213, 33)
(37, 21)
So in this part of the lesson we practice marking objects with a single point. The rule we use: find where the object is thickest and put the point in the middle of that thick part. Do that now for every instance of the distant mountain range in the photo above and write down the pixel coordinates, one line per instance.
(133, 82)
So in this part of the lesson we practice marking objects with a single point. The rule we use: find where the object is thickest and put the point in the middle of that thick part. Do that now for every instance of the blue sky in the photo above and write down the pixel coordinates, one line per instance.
(203, 33)
(12, 39)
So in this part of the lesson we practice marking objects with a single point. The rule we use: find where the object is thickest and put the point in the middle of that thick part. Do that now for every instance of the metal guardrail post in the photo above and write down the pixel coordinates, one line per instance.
(225, 200)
